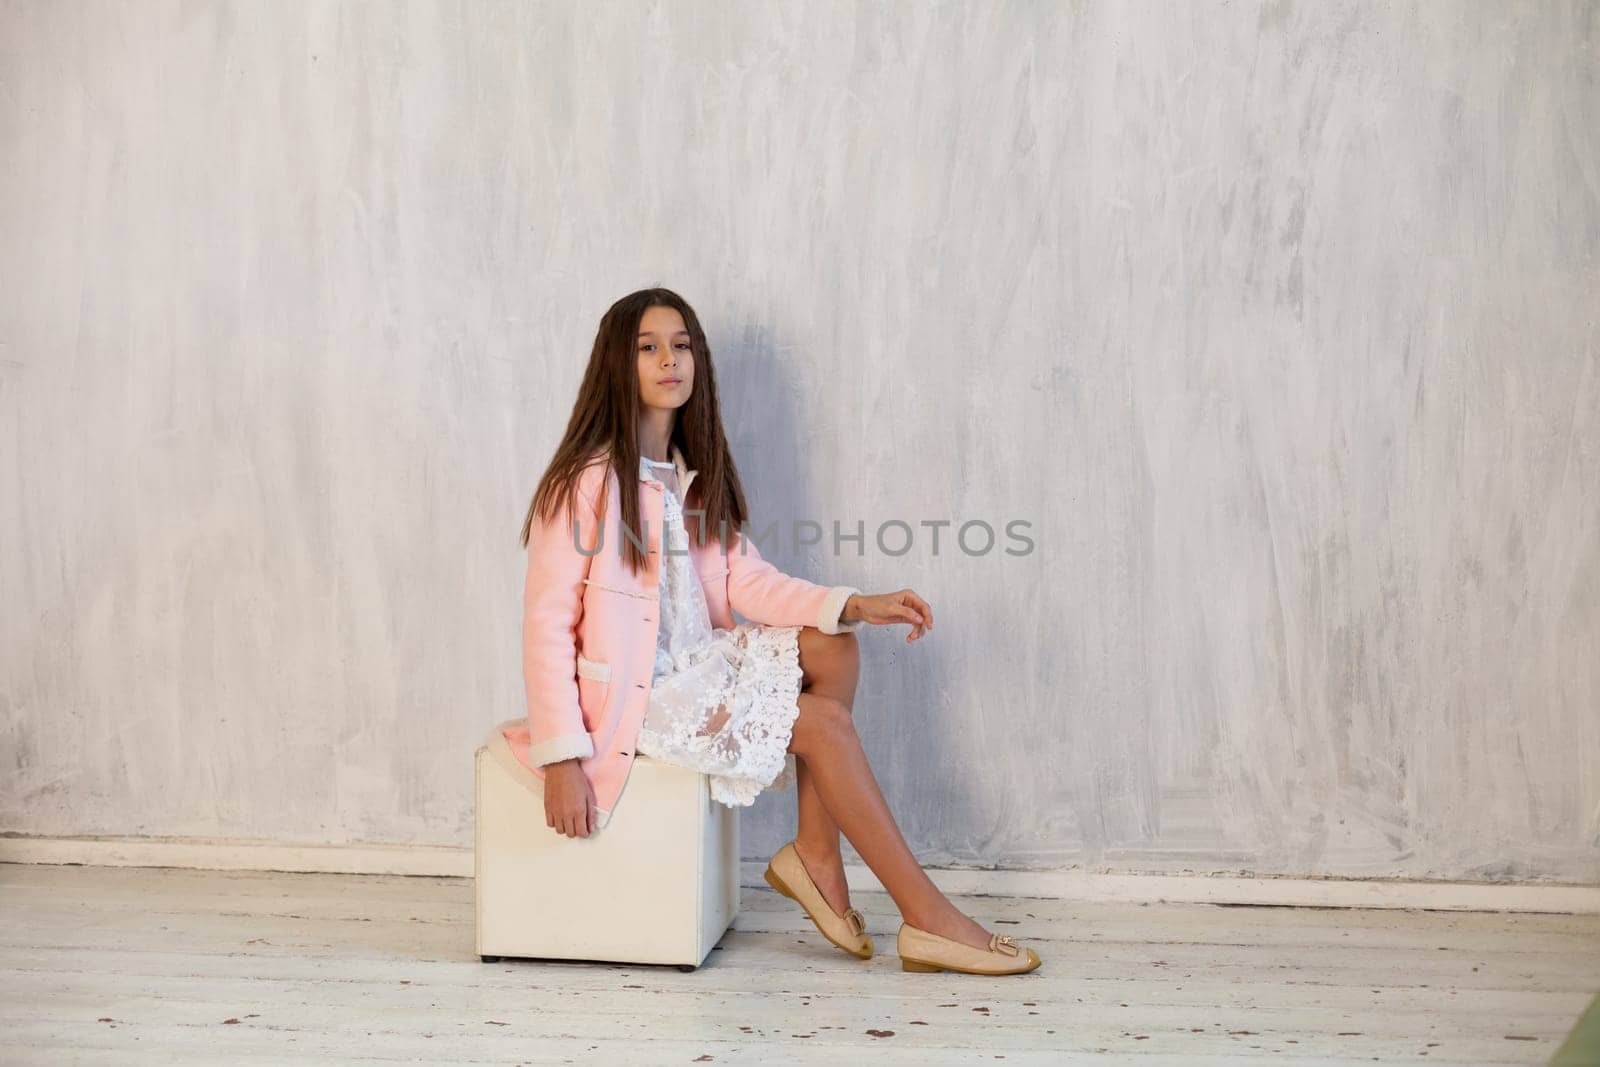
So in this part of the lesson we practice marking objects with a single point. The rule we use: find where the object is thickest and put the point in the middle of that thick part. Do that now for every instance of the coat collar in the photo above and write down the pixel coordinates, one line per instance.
(685, 475)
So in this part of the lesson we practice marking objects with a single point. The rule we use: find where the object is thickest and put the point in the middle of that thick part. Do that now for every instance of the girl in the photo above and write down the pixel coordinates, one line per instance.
(629, 643)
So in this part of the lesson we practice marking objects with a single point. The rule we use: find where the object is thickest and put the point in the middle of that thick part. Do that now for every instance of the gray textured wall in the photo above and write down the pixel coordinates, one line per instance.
(1277, 321)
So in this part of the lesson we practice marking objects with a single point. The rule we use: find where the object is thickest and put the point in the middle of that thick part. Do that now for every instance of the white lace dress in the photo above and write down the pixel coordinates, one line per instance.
(722, 702)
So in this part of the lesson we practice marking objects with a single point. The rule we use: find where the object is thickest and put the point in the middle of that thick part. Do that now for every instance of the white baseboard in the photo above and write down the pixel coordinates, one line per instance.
(226, 854)
(451, 862)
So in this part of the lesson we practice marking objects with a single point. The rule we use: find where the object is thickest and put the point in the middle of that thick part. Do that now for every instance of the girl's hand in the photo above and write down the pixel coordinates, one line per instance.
(885, 609)
(569, 806)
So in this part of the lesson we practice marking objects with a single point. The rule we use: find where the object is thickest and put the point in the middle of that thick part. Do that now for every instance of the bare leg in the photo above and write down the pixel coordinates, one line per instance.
(829, 666)
(841, 779)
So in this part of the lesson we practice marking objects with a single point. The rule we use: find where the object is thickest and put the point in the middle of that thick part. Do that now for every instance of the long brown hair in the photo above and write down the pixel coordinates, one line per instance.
(605, 424)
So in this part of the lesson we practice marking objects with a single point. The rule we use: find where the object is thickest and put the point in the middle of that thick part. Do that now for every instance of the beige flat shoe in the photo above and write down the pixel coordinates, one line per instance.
(924, 951)
(788, 875)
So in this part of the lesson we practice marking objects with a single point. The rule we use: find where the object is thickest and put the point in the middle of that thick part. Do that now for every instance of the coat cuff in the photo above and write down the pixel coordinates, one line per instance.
(561, 748)
(832, 605)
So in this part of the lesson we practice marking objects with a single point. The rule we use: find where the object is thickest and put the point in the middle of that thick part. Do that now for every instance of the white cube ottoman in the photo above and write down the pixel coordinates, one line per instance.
(658, 884)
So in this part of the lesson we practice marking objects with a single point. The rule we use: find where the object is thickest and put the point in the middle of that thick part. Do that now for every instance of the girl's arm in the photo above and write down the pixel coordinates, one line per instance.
(551, 601)
(762, 593)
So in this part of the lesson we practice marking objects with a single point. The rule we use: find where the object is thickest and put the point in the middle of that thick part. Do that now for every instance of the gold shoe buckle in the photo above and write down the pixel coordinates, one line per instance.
(856, 922)
(1003, 943)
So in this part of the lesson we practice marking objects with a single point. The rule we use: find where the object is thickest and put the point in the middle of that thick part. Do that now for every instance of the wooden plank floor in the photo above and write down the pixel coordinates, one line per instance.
(161, 965)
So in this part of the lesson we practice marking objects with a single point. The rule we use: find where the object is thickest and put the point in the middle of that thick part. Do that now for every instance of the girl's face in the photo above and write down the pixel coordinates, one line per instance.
(666, 363)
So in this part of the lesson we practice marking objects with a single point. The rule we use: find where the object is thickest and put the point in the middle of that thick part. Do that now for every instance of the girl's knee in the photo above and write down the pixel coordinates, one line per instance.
(828, 659)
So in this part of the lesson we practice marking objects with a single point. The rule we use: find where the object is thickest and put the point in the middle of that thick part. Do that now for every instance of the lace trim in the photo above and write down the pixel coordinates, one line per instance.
(775, 687)
(738, 734)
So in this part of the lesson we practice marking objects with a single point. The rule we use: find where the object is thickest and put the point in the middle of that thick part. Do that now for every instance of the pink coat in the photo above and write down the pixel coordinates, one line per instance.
(589, 626)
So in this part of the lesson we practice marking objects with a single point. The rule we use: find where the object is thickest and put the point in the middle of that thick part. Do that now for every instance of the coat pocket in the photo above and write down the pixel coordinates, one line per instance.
(594, 685)
(594, 671)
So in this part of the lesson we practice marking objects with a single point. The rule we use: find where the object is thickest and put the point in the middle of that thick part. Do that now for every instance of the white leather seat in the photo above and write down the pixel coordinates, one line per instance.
(658, 884)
